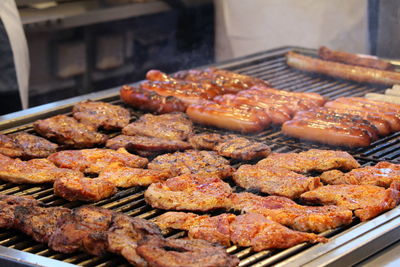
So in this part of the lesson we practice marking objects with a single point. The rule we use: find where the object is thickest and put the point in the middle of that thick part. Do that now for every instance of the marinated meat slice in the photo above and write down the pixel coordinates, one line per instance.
(124, 234)
(84, 189)
(38, 222)
(96, 159)
(26, 146)
(274, 180)
(8, 205)
(249, 230)
(230, 145)
(159, 252)
(143, 143)
(383, 174)
(242, 148)
(68, 131)
(128, 177)
(85, 229)
(261, 233)
(9, 148)
(101, 114)
(172, 126)
(34, 171)
(311, 160)
(367, 201)
(195, 162)
(212, 229)
(208, 141)
(287, 212)
(189, 192)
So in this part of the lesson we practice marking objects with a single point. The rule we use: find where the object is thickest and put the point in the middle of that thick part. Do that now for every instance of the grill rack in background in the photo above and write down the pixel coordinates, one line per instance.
(270, 66)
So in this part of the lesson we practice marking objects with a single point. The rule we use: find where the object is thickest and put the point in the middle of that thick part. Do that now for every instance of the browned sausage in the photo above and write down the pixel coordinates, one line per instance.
(354, 59)
(315, 130)
(390, 117)
(225, 117)
(345, 120)
(150, 101)
(278, 115)
(344, 71)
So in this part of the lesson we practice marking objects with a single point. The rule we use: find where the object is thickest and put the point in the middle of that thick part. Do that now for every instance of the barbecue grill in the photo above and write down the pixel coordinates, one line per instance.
(347, 245)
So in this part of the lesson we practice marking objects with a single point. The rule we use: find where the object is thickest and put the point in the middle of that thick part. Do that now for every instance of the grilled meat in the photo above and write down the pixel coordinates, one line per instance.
(26, 146)
(243, 119)
(143, 99)
(261, 233)
(231, 146)
(84, 189)
(172, 126)
(383, 174)
(311, 160)
(97, 230)
(229, 82)
(38, 222)
(84, 229)
(340, 70)
(367, 201)
(125, 232)
(274, 180)
(250, 229)
(34, 171)
(208, 141)
(8, 205)
(354, 59)
(189, 192)
(68, 131)
(101, 114)
(213, 229)
(291, 214)
(160, 252)
(137, 143)
(192, 161)
(128, 177)
(96, 159)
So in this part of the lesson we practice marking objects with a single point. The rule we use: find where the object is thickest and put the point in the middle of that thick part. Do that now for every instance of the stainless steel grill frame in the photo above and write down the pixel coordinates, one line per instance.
(347, 245)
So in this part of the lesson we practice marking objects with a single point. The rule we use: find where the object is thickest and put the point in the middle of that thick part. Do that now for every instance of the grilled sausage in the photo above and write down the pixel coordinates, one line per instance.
(354, 59)
(348, 72)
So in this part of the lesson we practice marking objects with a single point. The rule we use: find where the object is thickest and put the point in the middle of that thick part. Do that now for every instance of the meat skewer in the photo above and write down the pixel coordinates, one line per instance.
(354, 59)
(344, 71)
(250, 229)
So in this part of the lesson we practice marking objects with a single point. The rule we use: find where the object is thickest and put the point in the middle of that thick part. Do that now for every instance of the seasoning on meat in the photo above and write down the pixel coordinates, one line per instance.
(311, 160)
(250, 230)
(172, 126)
(189, 192)
(367, 201)
(26, 146)
(274, 180)
(34, 171)
(68, 131)
(193, 161)
(96, 159)
(101, 114)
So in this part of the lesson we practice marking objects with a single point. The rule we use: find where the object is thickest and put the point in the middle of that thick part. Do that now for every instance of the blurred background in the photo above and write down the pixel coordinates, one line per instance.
(81, 46)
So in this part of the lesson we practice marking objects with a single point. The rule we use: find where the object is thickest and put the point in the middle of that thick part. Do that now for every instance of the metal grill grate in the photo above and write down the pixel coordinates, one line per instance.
(270, 66)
